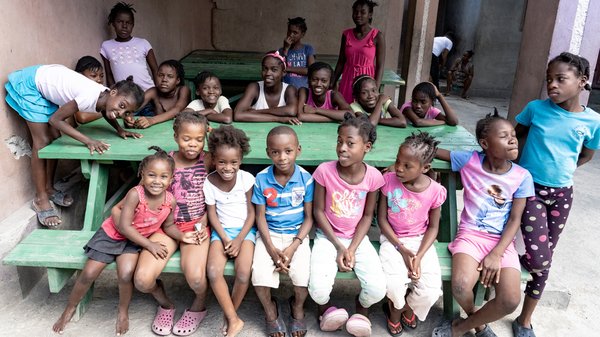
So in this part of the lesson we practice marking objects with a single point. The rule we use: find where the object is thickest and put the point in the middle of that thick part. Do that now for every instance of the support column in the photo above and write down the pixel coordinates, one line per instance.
(574, 25)
(422, 15)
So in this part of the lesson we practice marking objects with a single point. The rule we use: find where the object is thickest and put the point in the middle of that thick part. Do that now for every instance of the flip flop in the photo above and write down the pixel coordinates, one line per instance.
(296, 325)
(188, 323)
(359, 325)
(277, 325)
(396, 326)
(521, 331)
(409, 323)
(43, 214)
(333, 319)
(60, 198)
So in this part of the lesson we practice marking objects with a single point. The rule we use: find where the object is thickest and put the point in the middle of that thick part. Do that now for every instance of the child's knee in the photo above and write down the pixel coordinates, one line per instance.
(320, 295)
(198, 283)
(242, 276)
(461, 286)
(144, 284)
(214, 272)
(508, 304)
(86, 277)
(371, 295)
(124, 278)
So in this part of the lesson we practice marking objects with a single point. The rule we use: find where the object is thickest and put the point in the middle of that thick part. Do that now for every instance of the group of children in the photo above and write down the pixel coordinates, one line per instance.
(203, 204)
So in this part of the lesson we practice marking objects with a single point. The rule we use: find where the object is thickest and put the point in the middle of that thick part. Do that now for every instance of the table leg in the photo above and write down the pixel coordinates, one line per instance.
(96, 196)
(448, 220)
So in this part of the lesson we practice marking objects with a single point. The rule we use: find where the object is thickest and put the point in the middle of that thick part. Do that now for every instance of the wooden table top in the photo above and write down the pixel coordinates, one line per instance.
(318, 142)
(246, 66)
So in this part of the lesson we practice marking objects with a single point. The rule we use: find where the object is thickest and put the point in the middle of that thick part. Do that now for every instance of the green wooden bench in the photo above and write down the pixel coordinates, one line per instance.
(60, 251)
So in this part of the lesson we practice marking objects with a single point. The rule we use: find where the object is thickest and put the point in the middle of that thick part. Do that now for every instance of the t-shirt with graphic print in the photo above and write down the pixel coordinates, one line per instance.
(488, 197)
(408, 211)
(345, 203)
(284, 205)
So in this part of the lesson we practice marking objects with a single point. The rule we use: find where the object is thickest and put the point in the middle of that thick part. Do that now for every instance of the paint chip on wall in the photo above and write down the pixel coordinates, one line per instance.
(18, 146)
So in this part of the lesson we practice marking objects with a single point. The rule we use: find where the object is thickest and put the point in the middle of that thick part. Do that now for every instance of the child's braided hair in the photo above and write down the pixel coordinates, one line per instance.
(192, 117)
(483, 125)
(424, 145)
(120, 7)
(160, 154)
(365, 129)
(581, 65)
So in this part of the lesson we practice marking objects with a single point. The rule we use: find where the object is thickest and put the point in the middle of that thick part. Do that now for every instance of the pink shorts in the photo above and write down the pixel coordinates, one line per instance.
(478, 245)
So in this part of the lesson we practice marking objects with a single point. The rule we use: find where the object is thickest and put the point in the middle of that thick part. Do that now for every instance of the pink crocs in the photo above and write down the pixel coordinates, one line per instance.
(163, 321)
(189, 322)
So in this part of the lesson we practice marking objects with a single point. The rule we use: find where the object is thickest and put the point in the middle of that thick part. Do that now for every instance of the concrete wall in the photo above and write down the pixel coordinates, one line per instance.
(261, 25)
(461, 17)
(61, 31)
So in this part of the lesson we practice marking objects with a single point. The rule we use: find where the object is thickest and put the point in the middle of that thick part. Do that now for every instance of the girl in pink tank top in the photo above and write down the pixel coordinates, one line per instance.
(362, 51)
(146, 208)
(317, 103)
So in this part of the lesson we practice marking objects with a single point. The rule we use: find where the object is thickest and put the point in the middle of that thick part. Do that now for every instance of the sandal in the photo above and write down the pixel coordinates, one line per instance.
(359, 325)
(296, 325)
(44, 214)
(189, 322)
(444, 330)
(163, 321)
(409, 323)
(61, 198)
(486, 332)
(391, 326)
(521, 331)
(277, 325)
(333, 319)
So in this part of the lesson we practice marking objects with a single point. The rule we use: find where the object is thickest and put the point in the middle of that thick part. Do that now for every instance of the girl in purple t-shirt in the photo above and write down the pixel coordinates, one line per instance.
(344, 203)
(409, 218)
(495, 190)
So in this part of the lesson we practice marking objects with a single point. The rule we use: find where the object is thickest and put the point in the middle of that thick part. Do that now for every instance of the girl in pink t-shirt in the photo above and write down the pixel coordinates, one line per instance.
(344, 203)
(495, 191)
(146, 208)
(409, 217)
(420, 111)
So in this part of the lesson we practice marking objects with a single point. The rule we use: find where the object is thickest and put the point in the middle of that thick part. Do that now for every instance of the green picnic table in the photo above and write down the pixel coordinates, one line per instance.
(246, 66)
(45, 248)
(318, 145)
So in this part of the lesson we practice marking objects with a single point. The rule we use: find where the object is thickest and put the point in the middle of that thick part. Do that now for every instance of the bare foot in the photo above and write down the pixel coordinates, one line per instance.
(224, 326)
(59, 325)
(122, 323)
(234, 328)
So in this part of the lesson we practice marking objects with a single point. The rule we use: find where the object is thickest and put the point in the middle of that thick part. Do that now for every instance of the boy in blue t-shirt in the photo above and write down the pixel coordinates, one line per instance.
(283, 195)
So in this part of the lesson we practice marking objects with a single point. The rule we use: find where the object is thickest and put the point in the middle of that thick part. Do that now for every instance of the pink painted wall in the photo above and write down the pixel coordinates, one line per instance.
(61, 31)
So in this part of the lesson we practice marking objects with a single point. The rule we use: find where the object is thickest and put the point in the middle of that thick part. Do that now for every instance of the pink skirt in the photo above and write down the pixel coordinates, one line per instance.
(479, 244)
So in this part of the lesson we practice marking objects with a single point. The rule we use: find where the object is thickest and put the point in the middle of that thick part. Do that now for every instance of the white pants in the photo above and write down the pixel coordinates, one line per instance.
(425, 291)
(323, 269)
(263, 267)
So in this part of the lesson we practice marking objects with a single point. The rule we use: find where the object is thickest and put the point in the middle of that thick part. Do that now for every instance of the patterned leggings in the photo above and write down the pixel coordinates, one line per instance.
(543, 220)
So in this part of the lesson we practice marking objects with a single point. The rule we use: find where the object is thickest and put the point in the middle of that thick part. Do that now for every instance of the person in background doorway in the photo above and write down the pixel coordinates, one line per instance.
(461, 74)
(442, 45)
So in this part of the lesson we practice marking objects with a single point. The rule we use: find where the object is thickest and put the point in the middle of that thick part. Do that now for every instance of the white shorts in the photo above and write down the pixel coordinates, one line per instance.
(263, 267)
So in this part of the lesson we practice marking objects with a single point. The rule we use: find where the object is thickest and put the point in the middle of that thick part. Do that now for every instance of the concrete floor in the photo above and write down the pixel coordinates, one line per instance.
(568, 309)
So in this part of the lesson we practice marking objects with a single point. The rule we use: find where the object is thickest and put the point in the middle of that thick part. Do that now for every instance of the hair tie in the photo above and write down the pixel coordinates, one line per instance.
(276, 55)
(361, 78)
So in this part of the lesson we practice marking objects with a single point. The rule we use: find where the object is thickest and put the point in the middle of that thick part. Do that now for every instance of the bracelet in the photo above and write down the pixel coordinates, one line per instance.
(398, 247)
(297, 238)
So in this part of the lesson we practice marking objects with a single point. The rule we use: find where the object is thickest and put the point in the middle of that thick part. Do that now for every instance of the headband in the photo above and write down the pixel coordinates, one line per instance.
(361, 77)
(276, 55)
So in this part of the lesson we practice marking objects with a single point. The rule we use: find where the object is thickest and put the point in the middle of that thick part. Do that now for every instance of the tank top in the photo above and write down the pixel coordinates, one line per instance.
(145, 220)
(326, 105)
(261, 103)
